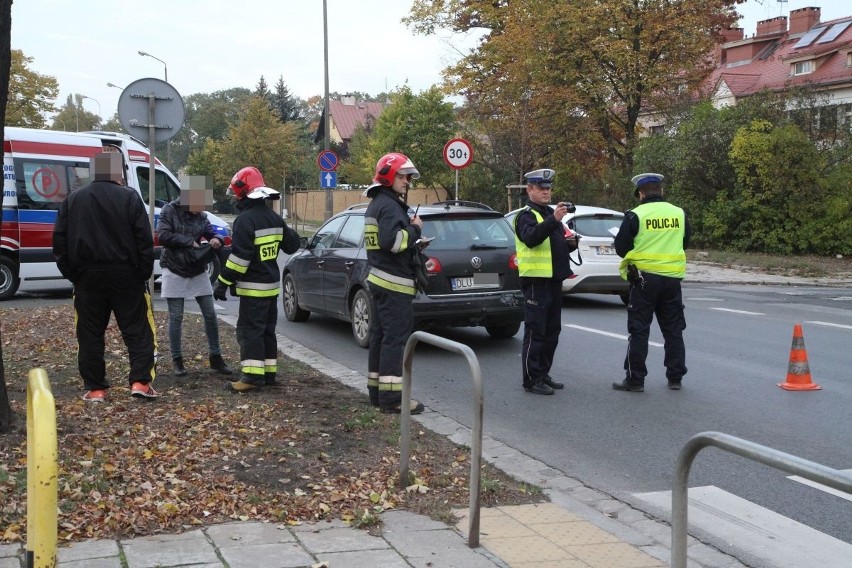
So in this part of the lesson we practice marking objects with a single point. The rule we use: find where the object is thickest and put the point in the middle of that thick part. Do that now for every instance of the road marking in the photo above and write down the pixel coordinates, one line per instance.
(607, 333)
(829, 324)
(775, 539)
(821, 487)
(705, 299)
(738, 311)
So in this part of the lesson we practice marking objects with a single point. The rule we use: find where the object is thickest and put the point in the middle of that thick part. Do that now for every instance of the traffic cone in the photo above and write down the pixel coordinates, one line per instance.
(798, 372)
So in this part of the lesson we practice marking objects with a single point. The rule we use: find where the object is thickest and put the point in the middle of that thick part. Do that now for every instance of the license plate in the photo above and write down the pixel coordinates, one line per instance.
(475, 282)
(606, 250)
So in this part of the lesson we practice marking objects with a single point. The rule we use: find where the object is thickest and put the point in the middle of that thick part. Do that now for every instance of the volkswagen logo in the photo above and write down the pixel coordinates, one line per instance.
(476, 262)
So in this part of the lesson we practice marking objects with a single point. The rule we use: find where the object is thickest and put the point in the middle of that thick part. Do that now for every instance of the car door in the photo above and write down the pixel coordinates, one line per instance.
(343, 264)
(310, 280)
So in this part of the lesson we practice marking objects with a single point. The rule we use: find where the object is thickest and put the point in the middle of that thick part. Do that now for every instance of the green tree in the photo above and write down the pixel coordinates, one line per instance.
(30, 94)
(284, 103)
(73, 117)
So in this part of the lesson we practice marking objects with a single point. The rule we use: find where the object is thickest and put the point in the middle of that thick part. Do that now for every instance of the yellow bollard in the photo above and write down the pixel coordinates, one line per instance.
(42, 472)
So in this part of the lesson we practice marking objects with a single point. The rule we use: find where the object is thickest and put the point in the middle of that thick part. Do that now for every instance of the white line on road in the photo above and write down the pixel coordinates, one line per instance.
(821, 487)
(705, 299)
(607, 333)
(738, 311)
(829, 324)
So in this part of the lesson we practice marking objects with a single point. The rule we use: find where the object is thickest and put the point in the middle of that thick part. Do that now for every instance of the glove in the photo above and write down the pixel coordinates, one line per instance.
(219, 291)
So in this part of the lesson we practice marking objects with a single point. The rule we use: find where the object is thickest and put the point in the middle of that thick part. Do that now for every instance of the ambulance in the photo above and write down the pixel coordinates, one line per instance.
(40, 167)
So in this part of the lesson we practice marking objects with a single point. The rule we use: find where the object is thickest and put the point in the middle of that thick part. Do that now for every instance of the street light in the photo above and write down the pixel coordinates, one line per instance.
(99, 105)
(114, 86)
(165, 68)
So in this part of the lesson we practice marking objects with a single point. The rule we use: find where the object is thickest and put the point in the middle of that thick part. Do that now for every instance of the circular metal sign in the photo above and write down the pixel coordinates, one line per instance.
(327, 160)
(133, 109)
(458, 153)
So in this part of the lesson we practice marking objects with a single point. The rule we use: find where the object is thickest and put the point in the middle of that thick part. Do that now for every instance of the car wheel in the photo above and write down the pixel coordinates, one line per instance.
(361, 310)
(503, 331)
(625, 297)
(292, 311)
(9, 280)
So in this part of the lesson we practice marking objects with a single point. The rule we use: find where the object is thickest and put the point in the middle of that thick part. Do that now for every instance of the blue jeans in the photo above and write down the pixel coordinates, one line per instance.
(211, 325)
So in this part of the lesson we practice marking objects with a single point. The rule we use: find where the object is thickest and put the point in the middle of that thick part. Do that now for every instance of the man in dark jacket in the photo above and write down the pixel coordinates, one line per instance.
(543, 251)
(252, 272)
(103, 244)
(390, 238)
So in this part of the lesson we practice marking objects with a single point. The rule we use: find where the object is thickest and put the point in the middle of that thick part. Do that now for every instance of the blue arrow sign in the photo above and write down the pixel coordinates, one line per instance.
(328, 179)
(328, 161)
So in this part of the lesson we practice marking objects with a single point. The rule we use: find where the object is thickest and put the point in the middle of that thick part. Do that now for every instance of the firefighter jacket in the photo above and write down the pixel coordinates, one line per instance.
(653, 237)
(252, 267)
(540, 244)
(389, 238)
(177, 230)
(103, 226)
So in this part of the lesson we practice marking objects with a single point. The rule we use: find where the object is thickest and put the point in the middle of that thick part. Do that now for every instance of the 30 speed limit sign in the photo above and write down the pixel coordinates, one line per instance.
(458, 153)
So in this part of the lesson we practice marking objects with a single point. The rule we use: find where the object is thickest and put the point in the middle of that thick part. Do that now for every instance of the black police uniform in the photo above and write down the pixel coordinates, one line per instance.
(542, 296)
(653, 294)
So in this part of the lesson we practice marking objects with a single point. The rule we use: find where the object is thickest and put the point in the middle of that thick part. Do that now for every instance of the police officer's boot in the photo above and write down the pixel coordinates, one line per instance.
(538, 388)
(548, 380)
(180, 370)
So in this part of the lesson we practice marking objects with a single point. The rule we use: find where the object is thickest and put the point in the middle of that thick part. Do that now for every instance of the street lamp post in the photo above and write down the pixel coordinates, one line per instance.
(166, 73)
(99, 105)
(113, 85)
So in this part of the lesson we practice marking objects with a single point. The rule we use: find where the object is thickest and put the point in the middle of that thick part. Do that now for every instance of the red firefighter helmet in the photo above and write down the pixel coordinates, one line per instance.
(248, 183)
(391, 164)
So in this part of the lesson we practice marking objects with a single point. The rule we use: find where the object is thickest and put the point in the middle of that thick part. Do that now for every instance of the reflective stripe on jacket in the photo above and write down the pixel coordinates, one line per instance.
(658, 246)
(389, 239)
(252, 266)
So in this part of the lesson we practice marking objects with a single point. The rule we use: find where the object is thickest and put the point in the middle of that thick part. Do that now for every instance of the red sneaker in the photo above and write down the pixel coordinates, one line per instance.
(143, 390)
(94, 396)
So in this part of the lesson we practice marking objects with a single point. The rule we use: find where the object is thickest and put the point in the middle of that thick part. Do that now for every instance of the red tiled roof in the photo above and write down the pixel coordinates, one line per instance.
(348, 116)
(773, 72)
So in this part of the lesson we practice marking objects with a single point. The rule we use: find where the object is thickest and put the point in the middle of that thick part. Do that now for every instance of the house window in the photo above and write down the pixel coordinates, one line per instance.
(803, 67)
(849, 59)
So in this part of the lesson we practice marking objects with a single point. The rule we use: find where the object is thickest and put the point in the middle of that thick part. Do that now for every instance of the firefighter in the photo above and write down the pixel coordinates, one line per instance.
(651, 243)
(252, 273)
(543, 248)
(390, 238)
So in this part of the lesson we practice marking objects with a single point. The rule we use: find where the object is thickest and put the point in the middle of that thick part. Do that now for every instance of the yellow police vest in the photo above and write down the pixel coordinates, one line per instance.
(658, 246)
(533, 262)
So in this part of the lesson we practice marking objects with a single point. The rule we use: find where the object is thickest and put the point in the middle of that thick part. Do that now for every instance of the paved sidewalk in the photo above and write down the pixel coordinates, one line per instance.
(579, 528)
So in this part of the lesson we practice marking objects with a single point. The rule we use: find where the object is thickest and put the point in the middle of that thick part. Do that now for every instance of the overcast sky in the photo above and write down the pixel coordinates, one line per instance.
(210, 45)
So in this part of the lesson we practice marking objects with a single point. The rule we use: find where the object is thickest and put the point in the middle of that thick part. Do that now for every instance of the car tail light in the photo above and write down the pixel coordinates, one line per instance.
(513, 262)
(433, 266)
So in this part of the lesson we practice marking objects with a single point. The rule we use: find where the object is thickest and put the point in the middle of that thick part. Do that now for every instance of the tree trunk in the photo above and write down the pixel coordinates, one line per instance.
(6, 416)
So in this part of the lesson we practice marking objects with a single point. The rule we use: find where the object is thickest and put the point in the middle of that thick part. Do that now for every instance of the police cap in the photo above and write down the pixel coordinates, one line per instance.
(642, 179)
(542, 178)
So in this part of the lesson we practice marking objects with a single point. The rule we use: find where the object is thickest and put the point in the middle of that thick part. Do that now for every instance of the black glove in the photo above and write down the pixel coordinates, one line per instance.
(219, 291)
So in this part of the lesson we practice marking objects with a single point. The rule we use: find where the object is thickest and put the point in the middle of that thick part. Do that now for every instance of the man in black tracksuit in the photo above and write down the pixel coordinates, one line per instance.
(103, 244)
(252, 271)
(390, 238)
(543, 263)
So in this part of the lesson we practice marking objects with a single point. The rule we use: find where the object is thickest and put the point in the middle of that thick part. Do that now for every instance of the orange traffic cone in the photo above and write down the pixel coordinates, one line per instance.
(798, 372)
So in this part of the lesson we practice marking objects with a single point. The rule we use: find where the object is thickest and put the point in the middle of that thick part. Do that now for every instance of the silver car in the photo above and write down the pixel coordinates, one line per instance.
(595, 263)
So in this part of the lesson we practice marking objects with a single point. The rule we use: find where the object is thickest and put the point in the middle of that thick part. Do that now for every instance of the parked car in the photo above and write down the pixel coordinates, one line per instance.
(595, 263)
(472, 272)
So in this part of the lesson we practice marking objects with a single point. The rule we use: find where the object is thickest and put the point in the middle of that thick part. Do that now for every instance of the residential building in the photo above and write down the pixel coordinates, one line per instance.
(346, 115)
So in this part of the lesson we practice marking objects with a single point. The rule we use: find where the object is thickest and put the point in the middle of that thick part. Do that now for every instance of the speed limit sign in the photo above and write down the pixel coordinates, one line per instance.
(458, 153)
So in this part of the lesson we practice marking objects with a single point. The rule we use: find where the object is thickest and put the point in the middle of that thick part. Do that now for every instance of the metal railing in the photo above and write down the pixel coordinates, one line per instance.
(476, 434)
(42, 472)
(750, 450)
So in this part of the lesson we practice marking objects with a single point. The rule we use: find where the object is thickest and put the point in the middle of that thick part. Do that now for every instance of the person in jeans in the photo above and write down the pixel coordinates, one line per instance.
(182, 226)
(103, 244)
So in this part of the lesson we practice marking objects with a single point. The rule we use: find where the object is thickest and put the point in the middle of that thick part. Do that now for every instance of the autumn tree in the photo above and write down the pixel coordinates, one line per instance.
(6, 416)
(588, 68)
(30, 94)
(73, 117)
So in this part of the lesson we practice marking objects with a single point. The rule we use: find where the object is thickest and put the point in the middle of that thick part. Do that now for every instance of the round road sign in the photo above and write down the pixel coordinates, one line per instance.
(327, 160)
(169, 111)
(458, 153)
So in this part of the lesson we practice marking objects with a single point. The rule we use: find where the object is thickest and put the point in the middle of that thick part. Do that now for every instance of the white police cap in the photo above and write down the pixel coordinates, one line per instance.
(642, 179)
(542, 178)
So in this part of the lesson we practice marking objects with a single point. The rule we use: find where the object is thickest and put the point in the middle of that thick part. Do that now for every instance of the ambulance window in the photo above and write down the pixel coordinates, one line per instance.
(165, 189)
(43, 184)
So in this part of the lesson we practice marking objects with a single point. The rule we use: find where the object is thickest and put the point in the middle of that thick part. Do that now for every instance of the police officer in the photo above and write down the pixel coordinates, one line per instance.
(390, 238)
(651, 242)
(543, 263)
(252, 271)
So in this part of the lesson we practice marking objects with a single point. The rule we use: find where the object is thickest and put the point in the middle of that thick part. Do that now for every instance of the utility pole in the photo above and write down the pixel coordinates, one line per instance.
(329, 195)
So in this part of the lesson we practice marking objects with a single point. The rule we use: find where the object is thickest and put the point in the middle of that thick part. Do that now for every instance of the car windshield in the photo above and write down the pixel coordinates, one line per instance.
(600, 225)
(468, 233)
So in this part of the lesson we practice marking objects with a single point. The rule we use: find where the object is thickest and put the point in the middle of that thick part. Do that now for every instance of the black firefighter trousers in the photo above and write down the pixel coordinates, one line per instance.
(391, 325)
(256, 335)
(99, 293)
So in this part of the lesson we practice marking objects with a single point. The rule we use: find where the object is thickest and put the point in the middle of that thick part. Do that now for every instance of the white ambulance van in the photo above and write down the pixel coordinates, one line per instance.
(40, 167)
